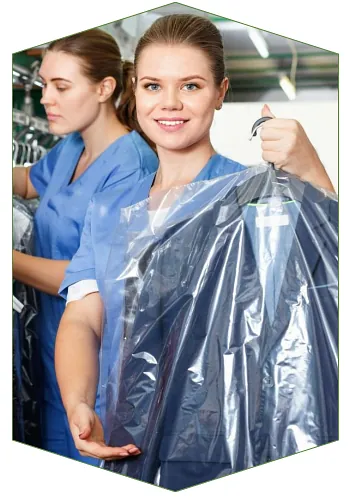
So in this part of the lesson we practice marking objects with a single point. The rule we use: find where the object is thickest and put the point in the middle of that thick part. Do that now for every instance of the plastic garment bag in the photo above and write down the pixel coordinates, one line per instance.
(26, 360)
(220, 347)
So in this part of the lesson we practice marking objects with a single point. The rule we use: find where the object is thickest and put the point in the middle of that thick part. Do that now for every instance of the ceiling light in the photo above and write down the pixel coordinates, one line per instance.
(229, 26)
(287, 87)
(259, 42)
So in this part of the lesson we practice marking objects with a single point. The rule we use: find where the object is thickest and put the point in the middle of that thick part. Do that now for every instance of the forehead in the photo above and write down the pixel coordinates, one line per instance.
(172, 61)
(61, 65)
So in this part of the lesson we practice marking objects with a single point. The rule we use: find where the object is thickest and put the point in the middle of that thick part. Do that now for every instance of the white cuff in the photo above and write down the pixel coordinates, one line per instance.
(80, 289)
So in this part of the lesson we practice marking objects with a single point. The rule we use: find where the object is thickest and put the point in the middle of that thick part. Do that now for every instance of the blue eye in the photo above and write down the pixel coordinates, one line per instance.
(191, 86)
(152, 86)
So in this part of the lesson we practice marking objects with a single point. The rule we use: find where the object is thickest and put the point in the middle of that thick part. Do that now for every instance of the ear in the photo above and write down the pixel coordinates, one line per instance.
(133, 80)
(106, 88)
(222, 92)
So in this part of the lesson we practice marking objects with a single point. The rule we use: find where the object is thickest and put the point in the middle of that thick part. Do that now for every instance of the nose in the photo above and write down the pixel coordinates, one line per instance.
(47, 96)
(171, 99)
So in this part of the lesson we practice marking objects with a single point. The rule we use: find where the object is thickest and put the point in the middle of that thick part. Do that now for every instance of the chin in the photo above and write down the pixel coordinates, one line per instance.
(55, 129)
(174, 144)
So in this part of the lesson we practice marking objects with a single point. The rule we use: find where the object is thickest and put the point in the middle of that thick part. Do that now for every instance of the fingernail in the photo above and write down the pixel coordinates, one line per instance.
(124, 454)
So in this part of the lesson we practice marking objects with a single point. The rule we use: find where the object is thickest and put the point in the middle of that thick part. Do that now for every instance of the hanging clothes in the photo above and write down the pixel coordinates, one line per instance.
(59, 223)
(27, 371)
(91, 260)
(223, 344)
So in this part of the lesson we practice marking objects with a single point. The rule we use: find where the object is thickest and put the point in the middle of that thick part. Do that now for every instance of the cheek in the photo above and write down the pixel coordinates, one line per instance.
(202, 105)
(83, 101)
(144, 108)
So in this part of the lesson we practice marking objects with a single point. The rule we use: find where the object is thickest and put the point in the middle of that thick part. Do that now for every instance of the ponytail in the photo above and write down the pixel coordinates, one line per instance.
(126, 108)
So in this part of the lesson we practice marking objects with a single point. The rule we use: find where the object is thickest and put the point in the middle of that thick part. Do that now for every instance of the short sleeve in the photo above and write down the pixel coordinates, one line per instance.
(41, 172)
(79, 290)
(133, 166)
(82, 265)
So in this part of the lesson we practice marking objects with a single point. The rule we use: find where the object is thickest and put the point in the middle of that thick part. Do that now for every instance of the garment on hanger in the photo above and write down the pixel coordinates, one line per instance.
(26, 359)
(226, 350)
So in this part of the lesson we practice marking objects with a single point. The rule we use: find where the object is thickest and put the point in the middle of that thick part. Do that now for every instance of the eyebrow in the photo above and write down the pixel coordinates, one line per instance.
(56, 79)
(191, 77)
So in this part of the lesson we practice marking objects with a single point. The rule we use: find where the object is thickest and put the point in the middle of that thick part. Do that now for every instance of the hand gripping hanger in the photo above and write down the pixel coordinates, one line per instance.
(291, 187)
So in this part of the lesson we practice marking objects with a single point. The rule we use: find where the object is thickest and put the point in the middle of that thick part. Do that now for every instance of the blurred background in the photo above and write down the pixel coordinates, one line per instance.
(295, 79)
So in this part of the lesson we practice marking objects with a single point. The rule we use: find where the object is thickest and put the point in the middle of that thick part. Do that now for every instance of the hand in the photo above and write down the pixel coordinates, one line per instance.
(87, 432)
(286, 145)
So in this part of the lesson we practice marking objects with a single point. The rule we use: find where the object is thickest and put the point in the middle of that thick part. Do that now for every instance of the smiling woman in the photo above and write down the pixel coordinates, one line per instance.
(179, 83)
(83, 76)
(180, 95)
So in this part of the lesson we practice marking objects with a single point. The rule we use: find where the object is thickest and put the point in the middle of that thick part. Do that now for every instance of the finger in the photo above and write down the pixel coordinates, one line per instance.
(272, 134)
(83, 423)
(272, 157)
(130, 448)
(134, 451)
(273, 146)
(81, 432)
(266, 111)
(102, 451)
(278, 123)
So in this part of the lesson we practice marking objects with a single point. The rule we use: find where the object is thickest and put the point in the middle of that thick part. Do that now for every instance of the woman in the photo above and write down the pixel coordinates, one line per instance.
(179, 83)
(83, 77)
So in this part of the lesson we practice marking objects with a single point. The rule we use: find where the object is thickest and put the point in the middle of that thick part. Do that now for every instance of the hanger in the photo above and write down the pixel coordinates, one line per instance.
(272, 183)
(15, 150)
(17, 305)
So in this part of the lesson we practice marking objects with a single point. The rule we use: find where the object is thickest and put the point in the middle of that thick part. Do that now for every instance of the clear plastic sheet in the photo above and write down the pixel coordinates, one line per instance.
(220, 345)
(23, 225)
(26, 394)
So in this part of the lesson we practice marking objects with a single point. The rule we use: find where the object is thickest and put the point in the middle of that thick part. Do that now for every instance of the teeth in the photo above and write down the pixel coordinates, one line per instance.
(171, 123)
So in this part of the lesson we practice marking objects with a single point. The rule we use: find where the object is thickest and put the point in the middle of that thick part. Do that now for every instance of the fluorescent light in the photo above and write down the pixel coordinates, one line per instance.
(259, 42)
(229, 26)
(287, 87)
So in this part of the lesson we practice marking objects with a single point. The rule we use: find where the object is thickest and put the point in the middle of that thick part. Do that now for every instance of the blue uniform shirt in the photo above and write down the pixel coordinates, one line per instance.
(60, 216)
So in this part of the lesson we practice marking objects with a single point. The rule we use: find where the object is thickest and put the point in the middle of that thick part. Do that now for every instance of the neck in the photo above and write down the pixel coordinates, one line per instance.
(105, 129)
(177, 168)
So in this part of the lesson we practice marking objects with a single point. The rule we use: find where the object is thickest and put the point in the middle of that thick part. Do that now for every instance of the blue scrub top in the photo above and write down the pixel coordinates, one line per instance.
(59, 219)
(102, 218)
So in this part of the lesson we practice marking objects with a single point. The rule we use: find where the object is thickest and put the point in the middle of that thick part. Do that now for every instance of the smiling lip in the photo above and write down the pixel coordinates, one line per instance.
(171, 124)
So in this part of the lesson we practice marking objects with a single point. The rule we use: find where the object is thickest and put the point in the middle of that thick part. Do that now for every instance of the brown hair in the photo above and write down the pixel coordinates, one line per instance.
(100, 57)
(191, 30)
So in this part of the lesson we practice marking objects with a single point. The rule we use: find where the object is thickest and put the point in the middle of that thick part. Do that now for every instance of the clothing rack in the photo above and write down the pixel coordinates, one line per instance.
(27, 153)
(30, 129)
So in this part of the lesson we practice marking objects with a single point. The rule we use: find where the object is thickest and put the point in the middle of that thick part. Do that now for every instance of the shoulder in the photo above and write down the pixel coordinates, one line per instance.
(112, 201)
(147, 158)
(224, 166)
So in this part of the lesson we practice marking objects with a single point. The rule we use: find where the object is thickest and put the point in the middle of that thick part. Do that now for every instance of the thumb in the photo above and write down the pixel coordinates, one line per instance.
(266, 111)
(83, 422)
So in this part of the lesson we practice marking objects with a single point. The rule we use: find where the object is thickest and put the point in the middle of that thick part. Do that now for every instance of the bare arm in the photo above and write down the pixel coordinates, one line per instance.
(317, 175)
(76, 352)
(22, 185)
(76, 363)
(45, 275)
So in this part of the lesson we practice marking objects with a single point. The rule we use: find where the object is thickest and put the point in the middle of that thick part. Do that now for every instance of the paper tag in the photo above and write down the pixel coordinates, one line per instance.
(272, 221)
